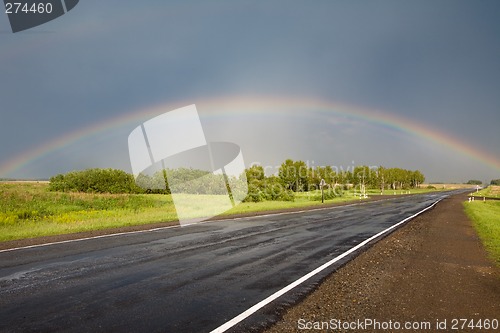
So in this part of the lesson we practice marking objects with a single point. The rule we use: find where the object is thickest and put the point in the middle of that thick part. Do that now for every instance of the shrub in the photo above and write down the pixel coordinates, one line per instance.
(95, 181)
(269, 189)
(254, 196)
(329, 193)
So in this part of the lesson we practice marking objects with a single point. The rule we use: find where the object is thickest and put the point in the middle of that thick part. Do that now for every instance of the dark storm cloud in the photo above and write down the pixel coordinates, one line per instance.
(435, 62)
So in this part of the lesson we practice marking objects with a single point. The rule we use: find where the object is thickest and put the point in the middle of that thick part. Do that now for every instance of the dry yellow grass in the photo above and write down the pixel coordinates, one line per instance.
(24, 181)
(448, 186)
(492, 191)
(495, 190)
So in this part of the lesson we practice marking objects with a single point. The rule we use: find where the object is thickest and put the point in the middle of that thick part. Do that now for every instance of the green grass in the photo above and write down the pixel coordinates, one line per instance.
(304, 199)
(486, 219)
(28, 209)
(308, 199)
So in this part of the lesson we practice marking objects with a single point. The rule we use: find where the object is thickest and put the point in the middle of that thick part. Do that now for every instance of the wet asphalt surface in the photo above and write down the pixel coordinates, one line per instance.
(189, 279)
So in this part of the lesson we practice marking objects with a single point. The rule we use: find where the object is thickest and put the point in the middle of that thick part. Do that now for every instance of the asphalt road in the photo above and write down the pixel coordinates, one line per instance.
(189, 279)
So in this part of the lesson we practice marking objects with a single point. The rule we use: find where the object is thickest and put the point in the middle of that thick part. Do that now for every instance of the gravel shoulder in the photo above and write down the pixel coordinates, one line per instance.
(432, 269)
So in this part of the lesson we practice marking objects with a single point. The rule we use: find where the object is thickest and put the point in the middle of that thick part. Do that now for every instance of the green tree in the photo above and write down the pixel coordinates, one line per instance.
(381, 178)
(417, 179)
(316, 174)
(294, 175)
(495, 182)
(262, 188)
(255, 172)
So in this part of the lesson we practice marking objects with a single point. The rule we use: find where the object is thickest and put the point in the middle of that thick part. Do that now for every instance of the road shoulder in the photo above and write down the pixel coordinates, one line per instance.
(433, 269)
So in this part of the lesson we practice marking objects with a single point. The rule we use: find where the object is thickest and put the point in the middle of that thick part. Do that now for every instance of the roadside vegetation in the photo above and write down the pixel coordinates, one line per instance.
(492, 191)
(485, 217)
(297, 177)
(474, 182)
(95, 181)
(31, 210)
(97, 199)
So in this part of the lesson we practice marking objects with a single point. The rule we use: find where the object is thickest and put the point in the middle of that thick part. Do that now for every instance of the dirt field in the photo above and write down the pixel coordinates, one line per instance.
(431, 270)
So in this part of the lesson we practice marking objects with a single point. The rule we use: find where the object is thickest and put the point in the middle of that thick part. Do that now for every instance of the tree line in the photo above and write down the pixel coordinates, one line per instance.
(291, 177)
(297, 176)
(479, 182)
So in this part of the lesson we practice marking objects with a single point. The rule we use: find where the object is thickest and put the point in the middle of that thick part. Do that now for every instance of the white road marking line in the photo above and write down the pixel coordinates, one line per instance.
(286, 289)
(88, 238)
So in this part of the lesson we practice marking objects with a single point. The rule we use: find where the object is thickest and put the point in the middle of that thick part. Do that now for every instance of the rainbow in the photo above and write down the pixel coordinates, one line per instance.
(259, 105)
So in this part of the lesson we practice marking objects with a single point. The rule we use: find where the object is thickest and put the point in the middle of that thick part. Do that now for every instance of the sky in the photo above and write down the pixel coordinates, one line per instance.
(338, 83)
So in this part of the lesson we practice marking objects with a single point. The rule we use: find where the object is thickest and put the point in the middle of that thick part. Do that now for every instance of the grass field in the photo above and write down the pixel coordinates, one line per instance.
(28, 209)
(486, 219)
(491, 191)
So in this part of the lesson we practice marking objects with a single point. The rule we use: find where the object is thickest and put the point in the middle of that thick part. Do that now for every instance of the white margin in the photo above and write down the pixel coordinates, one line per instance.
(292, 285)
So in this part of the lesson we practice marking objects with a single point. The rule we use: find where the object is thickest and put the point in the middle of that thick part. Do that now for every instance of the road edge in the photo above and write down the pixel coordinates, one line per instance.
(242, 316)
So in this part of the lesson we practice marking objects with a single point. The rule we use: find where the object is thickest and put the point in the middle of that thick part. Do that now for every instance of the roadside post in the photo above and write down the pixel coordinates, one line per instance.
(322, 184)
